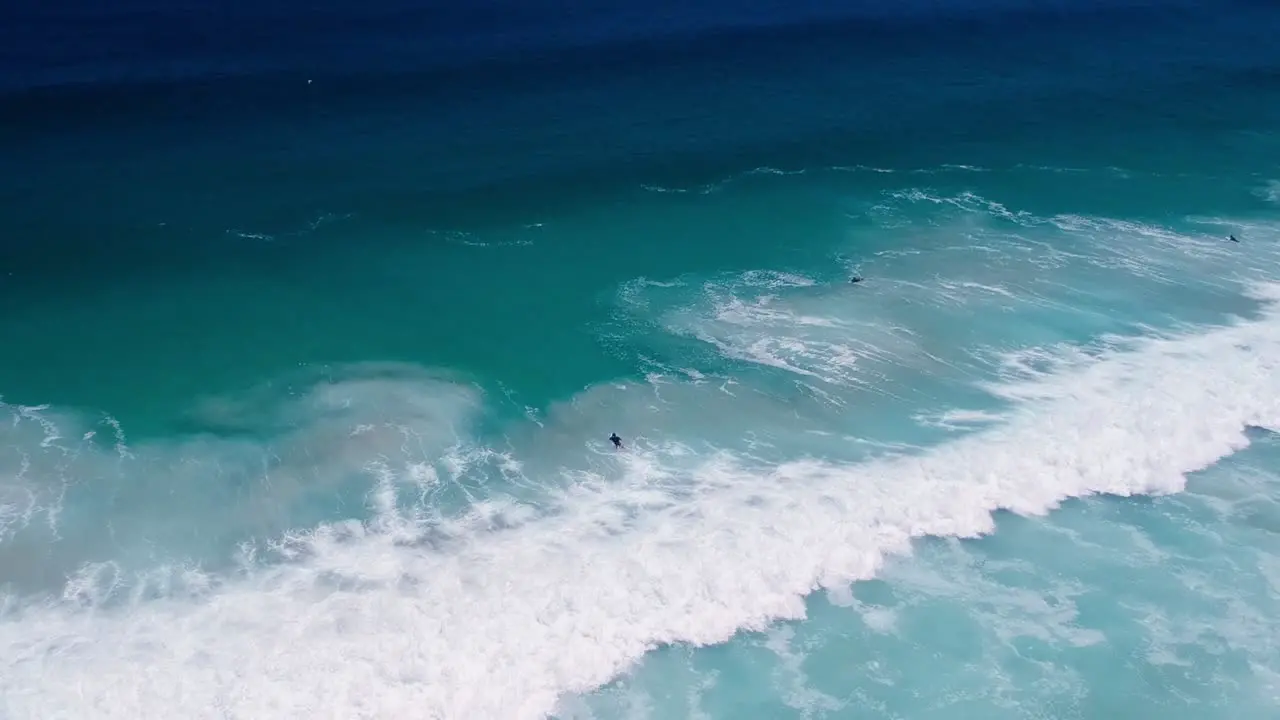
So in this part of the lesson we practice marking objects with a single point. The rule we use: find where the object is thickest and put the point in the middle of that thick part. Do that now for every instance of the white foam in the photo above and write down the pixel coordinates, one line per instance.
(790, 680)
(968, 202)
(1150, 252)
(880, 620)
(744, 330)
(775, 279)
(162, 502)
(763, 312)
(980, 287)
(820, 333)
(958, 419)
(715, 186)
(376, 621)
(1270, 192)
(661, 189)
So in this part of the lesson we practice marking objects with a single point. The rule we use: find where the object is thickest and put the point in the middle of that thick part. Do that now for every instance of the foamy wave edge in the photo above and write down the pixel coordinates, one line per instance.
(512, 618)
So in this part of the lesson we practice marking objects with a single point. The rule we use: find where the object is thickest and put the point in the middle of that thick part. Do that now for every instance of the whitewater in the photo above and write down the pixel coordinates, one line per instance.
(793, 434)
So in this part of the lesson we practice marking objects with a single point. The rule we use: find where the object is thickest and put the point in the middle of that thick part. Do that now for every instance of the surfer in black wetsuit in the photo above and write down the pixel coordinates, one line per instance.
(617, 441)
(1232, 238)
(855, 279)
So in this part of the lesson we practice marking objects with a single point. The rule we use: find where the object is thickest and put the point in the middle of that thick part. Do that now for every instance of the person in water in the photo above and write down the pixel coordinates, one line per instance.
(617, 441)
(855, 279)
(1232, 238)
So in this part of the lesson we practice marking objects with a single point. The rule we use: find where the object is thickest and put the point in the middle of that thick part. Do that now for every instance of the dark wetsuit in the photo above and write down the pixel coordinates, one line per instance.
(617, 441)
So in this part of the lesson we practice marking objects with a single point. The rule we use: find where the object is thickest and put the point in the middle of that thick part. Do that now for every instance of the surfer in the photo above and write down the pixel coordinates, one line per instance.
(855, 279)
(1232, 238)
(617, 441)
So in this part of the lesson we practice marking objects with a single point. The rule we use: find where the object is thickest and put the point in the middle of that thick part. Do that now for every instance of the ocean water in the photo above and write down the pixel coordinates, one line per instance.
(317, 318)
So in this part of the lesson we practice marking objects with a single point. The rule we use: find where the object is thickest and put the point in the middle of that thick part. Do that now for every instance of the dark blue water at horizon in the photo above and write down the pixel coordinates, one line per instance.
(439, 135)
(78, 42)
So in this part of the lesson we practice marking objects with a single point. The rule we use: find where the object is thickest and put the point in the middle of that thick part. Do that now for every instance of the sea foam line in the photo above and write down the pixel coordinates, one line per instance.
(375, 623)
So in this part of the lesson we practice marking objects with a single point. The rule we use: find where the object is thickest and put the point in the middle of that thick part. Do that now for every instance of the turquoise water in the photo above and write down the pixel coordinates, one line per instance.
(307, 387)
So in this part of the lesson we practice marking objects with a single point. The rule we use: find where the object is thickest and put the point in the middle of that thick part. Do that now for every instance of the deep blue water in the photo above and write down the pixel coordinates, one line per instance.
(316, 317)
